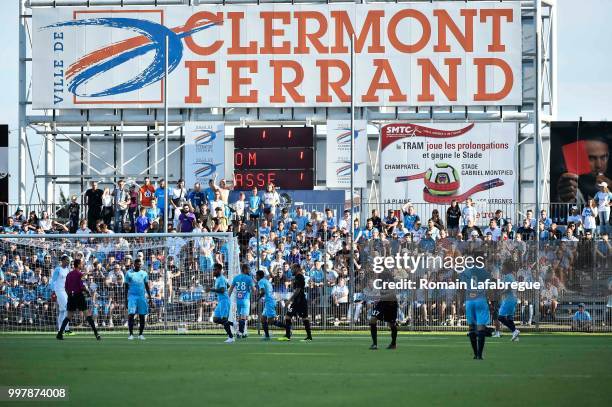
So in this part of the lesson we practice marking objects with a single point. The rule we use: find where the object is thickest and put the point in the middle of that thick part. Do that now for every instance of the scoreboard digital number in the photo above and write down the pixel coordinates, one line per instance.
(280, 155)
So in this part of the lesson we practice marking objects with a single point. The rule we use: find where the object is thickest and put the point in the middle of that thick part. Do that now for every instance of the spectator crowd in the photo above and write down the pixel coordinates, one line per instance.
(566, 259)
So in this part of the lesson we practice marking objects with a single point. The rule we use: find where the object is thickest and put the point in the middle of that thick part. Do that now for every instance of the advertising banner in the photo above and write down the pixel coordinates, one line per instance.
(204, 152)
(579, 160)
(436, 163)
(338, 156)
(278, 55)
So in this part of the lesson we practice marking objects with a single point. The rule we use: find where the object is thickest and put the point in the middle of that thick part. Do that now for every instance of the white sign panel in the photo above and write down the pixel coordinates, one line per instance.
(278, 55)
(204, 152)
(439, 162)
(338, 156)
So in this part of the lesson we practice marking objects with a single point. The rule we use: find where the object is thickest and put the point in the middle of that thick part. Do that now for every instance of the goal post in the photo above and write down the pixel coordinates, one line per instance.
(179, 266)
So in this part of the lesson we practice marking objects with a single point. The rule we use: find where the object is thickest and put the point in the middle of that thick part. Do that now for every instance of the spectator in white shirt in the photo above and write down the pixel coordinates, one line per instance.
(468, 212)
(604, 200)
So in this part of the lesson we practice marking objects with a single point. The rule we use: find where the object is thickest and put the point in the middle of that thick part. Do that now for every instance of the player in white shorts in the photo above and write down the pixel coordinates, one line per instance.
(58, 281)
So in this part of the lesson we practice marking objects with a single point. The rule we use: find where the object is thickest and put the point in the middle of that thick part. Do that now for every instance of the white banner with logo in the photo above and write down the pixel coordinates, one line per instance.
(204, 152)
(338, 158)
(278, 55)
(439, 162)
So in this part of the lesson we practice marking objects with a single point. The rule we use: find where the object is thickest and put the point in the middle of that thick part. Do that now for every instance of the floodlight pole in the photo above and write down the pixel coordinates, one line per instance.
(351, 231)
(166, 49)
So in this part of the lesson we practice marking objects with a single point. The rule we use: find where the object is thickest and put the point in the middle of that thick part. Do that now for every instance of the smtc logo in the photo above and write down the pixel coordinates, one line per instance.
(345, 170)
(152, 38)
(205, 169)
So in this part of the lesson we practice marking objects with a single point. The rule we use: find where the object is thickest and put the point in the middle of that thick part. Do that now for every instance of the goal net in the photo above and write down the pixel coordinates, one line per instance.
(179, 266)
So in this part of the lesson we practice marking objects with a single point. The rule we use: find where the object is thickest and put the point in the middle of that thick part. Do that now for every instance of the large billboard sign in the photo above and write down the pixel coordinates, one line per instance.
(437, 163)
(284, 55)
(579, 160)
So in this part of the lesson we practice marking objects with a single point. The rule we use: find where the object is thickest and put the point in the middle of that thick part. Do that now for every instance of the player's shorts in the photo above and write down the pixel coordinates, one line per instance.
(477, 311)
(62, 300)
(243, 308)
(76, 302)
(269, 310)
(298, 309)
(507, 307)
(138, 305)
(222, 310)
(385, 311)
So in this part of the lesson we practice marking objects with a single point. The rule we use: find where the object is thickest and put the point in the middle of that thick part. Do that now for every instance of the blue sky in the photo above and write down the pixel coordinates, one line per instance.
(584, 61)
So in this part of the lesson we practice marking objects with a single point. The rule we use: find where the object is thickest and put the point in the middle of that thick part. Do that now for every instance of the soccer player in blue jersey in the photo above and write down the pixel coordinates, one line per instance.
(267, 293)
(136, 283)
(508, 304)
(243, 284)
(476, 308)
(221, 314)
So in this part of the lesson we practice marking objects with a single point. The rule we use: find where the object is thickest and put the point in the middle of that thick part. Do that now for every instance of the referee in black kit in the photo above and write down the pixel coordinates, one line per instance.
(76, 289)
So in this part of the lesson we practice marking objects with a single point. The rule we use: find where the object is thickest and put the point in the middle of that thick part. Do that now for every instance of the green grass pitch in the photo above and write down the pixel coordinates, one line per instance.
(334, 370)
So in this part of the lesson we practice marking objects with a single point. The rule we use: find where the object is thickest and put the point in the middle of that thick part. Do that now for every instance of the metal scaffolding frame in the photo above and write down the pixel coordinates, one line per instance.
(81, 127)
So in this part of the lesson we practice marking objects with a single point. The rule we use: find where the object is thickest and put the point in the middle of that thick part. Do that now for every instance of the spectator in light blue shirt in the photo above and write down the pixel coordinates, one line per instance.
(330, 218)
(301, 219)
(582, 319)
(210, 191)
(254, 203)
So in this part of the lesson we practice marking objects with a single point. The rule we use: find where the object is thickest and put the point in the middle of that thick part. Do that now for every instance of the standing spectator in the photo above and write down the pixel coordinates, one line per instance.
(93, 201)
(217, 202)
(254, 202)
(178, 198)
(107, 206)
(468, 212)
(526, 231)
(531, 219)
(74, 214)
(239, 207)
(345, 223)
(330, 218)
(499, 218)
(453, 214)
(160, 197)
(435, 218)
(147, 191)
(589, 216)
(301, 219)
(133, 206)
(196, 196)
(210, 191)
(545, 219)
(142, 223)
(604, 200)
(121, 199)
(376, 220)
(410, 217)
(220, 220)
(186, 220)
(271, 199)
(574, 217)
(224, 191)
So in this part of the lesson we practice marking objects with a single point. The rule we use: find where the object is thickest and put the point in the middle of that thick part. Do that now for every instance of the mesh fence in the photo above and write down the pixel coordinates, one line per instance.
(180, 270)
